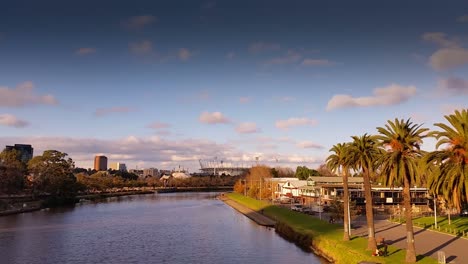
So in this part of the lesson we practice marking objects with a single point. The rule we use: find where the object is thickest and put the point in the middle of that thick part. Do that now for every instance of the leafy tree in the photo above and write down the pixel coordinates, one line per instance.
(339, 162)
(256, 184)
(53, 174)
(12, 172)
(302, 172)
(451, 178)
(324, 170)
(363, 153)
(399, 165)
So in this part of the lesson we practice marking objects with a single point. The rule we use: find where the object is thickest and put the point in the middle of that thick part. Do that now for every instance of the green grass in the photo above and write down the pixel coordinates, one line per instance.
(326, 237)
(458, 226)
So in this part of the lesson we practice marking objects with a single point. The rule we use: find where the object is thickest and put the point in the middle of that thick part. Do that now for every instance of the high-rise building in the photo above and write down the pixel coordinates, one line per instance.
(100, 163)
(25, 151)
(153, 172)
(118, 166)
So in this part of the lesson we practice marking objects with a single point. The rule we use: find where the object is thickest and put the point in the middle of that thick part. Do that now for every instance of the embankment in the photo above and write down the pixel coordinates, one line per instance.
(319, 236)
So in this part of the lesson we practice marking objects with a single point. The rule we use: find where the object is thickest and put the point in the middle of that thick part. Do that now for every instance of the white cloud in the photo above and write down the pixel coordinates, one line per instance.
(112, 110)
(317, 62)
(247, 128)
(295, 121)
(12, 121)
(141, 48)
(259, 46)
(308, 145)
(23, 95)
(448, 58)
(85, 51)
(440, 39)
(138, 22)
(244, 100)
(463, 19)
(290, 57)
(453, 86)
(390, 95)
(213, 118)
(159, 125)
(184, 54)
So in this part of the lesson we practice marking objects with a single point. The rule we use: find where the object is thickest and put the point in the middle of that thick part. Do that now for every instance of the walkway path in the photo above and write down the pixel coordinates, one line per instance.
(427, 242)
(255, 216)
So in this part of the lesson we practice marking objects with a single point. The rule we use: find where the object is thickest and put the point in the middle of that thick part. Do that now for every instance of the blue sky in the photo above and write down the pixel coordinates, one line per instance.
(158, 84)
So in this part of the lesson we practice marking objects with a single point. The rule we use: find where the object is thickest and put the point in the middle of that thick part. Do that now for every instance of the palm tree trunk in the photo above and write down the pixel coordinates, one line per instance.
(371, 243)
(345, 205)
(410, 248)
(448, 213)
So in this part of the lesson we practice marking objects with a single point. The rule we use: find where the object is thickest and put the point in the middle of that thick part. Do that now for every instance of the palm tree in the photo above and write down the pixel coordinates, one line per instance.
(399, 165)
(451, 178)
(338, 162)
(363, 153)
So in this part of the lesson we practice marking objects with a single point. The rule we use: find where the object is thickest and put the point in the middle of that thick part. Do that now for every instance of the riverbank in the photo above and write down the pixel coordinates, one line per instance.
(23, 205)
(253, 215)
(321, 237)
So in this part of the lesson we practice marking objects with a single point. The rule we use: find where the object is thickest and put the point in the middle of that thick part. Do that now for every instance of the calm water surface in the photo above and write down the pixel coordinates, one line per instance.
(159, 228)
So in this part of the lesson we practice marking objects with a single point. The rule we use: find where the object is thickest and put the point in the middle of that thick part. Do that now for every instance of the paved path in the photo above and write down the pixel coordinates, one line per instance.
(255, 216)
(427, 242)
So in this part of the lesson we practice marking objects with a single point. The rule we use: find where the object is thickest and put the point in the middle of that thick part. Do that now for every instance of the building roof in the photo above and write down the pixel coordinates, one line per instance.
(335, 179)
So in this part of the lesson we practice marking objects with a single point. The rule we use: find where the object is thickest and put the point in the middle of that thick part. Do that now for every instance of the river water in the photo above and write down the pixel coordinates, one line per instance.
(154, 228)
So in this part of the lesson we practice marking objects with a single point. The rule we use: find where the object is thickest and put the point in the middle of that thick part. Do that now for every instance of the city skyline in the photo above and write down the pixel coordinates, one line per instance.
(156, 84)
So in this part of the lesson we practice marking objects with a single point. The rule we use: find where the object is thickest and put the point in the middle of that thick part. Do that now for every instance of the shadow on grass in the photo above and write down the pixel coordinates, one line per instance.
(394, 252)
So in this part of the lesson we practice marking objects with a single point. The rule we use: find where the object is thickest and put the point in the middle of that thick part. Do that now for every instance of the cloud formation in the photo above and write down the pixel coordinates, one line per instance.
(138, 22)
(295, 121)
(23, 95)
(309, 145)
(463, 19)
(446, 59)
(453, 86)
(112, 110)
(440, 39)
(290, 57)
(247, 128)
(159, 125)
(317, 62)
(184, 54)
(12, 121)
(390, 95)
(450, 55)
(259, 46)
(143, 47)
(85, 51)
(213, 118)
(245, 99)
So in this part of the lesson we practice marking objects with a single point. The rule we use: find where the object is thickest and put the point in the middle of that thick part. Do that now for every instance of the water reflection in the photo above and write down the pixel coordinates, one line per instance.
(156, 228)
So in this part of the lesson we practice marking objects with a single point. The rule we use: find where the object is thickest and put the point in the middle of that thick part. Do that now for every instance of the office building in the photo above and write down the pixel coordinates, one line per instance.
(151, 172)
(25, 151)
(118, 166)
(100, 163)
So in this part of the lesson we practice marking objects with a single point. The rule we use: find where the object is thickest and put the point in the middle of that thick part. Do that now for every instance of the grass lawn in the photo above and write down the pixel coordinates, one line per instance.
(328, 238)
(458, 226)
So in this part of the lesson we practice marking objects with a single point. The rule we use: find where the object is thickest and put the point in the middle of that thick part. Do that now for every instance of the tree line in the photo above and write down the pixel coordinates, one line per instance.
(54, 175)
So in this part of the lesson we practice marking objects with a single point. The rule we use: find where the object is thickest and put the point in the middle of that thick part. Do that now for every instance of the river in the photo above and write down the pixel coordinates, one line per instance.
(154, 228)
